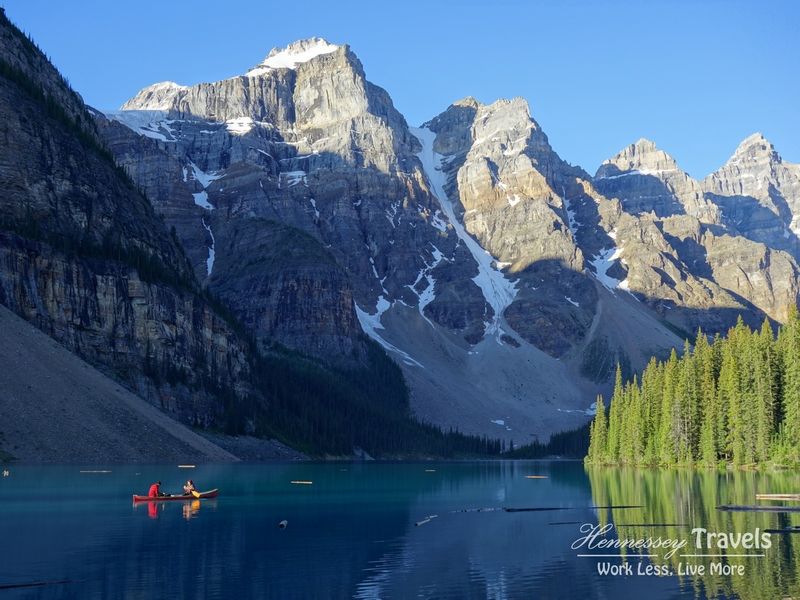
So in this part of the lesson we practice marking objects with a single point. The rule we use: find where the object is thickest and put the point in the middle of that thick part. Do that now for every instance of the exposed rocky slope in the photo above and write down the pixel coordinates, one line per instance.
(758, 194)
(57, 408)
(84, 257)
(707, 251)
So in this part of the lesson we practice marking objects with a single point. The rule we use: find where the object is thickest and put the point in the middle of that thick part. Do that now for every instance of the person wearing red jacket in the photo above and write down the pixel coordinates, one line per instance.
(155, 490)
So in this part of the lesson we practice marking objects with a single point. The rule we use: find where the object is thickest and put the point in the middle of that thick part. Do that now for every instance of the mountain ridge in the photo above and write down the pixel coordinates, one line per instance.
(499, 210)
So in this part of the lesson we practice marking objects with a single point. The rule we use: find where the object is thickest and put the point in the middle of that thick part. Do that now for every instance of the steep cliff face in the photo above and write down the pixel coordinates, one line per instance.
(511, 192)
(758, 194)
(647, 179)
(84, 257)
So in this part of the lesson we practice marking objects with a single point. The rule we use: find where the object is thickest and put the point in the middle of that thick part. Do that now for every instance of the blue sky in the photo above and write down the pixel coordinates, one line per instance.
(695, 76)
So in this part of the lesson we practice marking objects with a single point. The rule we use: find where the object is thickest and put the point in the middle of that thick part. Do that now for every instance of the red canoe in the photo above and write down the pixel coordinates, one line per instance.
(208, 494)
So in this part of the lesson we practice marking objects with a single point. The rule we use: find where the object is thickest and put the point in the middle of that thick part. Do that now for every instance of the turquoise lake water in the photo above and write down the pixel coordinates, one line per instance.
(353, 533)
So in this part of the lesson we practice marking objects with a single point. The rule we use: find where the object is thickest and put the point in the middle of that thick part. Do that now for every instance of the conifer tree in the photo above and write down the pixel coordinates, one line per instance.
(790, 392)
(666, 440)
(598, 435)
(615, 413)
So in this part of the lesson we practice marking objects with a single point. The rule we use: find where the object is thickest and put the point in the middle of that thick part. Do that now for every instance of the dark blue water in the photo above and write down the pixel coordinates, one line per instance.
(353, 532)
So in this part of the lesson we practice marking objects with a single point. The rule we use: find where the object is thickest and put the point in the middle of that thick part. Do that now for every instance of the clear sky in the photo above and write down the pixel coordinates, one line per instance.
(695, 76)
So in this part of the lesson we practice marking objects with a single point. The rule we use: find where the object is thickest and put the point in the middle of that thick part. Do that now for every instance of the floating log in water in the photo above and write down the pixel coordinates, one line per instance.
(187, 466)
(12, 586)
(298, 482)
(650, 525)
(777, 496)
(759, 508)
(427, 519)
(535, 476)
(544, 508)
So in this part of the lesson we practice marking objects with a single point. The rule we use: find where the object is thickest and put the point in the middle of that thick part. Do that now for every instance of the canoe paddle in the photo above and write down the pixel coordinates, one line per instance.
(195, 493)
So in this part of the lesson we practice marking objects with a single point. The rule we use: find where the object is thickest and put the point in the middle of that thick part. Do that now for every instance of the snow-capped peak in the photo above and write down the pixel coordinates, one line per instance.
(158, 96)
(294, 54)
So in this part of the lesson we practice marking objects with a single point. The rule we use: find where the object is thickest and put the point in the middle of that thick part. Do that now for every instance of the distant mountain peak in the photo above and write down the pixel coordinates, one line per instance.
(753, 147)
(470, 101)
(644, 145)
(158, 96)
(642, 156)
(294, 54)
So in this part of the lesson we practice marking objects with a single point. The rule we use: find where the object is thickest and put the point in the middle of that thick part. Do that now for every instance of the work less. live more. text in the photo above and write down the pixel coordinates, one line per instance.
(598, 541)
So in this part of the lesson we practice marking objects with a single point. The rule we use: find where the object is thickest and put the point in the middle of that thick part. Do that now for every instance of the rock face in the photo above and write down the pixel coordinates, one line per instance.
(506, 282)
(304, 140)
(708, 251)
(759, 195)
(647, 179)
(502, 178)
(84, 257)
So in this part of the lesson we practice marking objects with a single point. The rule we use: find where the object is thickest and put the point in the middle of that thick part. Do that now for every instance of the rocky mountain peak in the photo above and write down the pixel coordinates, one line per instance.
(647, 179)
(158, 96)
(293, 55)
(469, 102)
(644, 146)
(642, 156)
(753, 148)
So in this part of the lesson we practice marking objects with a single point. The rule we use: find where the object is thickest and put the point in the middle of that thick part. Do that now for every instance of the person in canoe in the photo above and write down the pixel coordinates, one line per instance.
(188, 488)
(155, 490)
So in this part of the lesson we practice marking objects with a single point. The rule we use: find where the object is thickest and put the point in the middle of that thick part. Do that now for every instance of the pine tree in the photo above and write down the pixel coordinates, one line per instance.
(651, 409)
(708, 451)
(730, 401)
(598, 435)
(790, 389)
(615, 412)
(668, 413)
(765, 388)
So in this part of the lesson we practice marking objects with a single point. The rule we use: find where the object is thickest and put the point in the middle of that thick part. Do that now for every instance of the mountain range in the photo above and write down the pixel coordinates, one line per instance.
(291, 215)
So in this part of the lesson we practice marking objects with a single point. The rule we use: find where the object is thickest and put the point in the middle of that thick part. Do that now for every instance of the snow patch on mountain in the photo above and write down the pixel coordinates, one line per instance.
(603, 262)
(292, 178)
(239, 125)
(203, 178)
(293, 55)
(427, 295)
(653, 172)
(159, 96)
(211, 251)
(372, 323)
(498, 291)
(201, 200)
(149, 123)
(795, 226)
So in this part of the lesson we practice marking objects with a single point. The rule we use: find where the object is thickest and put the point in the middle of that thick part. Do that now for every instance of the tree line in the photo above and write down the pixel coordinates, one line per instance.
(731, 400)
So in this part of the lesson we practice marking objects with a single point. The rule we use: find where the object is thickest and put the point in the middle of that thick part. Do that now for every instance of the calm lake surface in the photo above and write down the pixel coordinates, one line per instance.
(353, 532)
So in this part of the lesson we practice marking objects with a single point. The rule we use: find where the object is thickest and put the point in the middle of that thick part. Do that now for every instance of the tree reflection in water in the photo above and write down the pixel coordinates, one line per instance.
(676, 500)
